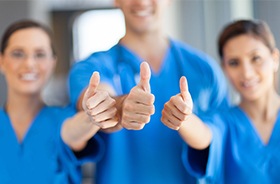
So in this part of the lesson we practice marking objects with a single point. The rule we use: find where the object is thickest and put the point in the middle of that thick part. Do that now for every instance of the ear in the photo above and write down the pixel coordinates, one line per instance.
(275, 55)
(1, 64)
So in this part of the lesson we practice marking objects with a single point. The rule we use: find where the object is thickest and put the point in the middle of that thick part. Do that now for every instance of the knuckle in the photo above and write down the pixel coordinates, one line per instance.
(146, 119)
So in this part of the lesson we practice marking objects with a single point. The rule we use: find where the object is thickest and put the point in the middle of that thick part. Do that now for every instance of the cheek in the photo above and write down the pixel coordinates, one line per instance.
(8, 69)
(47, 69)
(267, 70)
(232, 77)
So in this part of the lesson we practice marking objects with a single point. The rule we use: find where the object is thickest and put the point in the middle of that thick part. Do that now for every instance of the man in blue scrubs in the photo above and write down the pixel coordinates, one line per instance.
(153, 153)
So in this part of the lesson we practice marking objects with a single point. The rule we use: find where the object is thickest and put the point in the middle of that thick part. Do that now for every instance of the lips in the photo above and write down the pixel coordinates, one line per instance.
(29, 76)
(143, 13)
(250, 84)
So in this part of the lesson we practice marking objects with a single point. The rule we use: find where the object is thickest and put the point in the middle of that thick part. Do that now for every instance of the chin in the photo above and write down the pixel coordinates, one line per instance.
(251, 97)
(30, 91)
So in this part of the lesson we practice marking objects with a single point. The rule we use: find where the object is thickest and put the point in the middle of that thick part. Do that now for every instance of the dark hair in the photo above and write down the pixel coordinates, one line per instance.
(24, 24)
(256, 28)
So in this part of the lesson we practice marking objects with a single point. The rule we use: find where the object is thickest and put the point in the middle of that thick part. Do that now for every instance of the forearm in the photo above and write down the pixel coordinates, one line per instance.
(195, 133)
(77, 130)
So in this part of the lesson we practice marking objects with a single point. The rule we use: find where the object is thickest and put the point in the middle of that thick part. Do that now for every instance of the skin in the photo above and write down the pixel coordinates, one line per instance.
(98, 112)
(250, 66)
(144, 29)
(145, 37)
(138, 104)
(27, 76)
(27, 64)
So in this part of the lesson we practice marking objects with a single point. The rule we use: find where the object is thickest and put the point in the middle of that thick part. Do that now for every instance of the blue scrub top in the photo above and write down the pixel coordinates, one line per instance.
(153, 154)
(41, 157)
(237, 153)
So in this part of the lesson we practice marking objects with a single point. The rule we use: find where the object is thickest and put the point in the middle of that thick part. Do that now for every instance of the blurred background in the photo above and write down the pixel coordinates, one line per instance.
(82, 27)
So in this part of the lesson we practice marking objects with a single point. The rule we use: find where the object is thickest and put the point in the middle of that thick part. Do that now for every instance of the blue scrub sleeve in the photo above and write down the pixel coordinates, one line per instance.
(95, 146)
(78, 80)
(93, 152)
(72, 162)
(208, 163)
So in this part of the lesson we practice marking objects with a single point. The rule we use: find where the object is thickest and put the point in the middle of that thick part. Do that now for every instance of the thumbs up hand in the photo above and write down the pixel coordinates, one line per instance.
(138, 106)
(98, 104)
(145, 75)
(178, 108)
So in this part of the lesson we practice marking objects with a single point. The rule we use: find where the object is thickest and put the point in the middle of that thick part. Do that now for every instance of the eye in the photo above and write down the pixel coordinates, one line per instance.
(40, 55)
(256, 59)
(18, 55)
(233, 62)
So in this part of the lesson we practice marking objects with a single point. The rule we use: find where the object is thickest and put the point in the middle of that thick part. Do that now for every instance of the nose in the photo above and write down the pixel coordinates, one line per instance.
(29, 61)
(247, 70)
(143, 2)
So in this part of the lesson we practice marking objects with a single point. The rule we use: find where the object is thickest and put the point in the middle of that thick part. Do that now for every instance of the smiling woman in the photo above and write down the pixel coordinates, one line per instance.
(239, 144)
(33, 150)
(27, 61)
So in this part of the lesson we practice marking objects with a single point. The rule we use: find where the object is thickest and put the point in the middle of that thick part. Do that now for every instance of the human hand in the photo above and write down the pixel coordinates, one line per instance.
(178, 108)
(138, 106)
(98, 104)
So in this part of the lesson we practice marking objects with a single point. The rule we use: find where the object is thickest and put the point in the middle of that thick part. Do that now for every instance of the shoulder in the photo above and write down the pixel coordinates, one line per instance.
(102, 55)
(99, 60)
(191, 52)
(59, 112)
(223, 115)
(231, 116)
(194, 58)
(207, 70)
(2, 113)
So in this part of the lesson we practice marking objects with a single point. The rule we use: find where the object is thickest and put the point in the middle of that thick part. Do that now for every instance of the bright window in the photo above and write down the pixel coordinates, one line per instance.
(97, 30)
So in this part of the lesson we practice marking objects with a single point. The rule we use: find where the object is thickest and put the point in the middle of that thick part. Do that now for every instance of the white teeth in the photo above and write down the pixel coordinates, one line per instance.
(142, 13)
(29, 76)
(249, 84)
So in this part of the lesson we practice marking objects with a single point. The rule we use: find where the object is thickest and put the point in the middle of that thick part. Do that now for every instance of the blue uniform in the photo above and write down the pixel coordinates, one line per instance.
(41, 157)
(151, 155)
(237, 153)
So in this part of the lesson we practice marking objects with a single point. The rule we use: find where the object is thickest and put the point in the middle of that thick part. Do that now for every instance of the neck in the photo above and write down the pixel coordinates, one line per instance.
(151, 47)
(263, 109)
(26, 105)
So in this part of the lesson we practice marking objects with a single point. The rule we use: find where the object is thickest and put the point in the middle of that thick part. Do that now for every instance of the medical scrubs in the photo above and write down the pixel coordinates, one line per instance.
(153, 154)
(41, 156)
(237, 154)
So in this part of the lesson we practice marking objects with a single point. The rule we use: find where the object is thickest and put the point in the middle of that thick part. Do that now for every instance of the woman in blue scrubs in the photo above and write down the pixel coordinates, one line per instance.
(240, 145)
(32, 150)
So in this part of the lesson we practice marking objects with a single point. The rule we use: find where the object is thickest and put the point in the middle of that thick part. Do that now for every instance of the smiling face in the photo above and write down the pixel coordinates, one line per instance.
(27, 61)
(250, 66)
(142, 15)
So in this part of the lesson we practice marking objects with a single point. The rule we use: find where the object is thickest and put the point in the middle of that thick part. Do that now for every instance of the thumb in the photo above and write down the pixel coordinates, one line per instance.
(145, 75)
(184, 88)
(93, 84)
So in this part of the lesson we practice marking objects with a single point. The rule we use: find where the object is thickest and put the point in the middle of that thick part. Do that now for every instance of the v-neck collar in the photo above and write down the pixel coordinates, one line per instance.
(34, 123)
(129, 56)
(274, 137)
